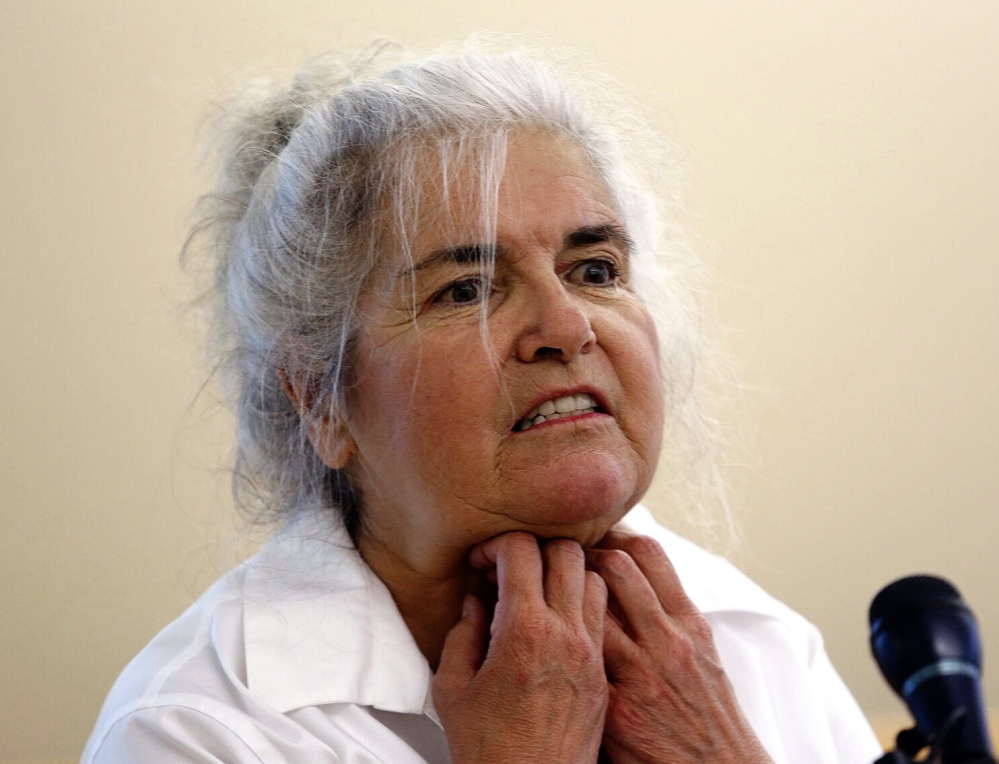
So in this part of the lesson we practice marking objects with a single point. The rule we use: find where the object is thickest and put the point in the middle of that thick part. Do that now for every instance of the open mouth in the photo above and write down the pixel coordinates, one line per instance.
(558, 408)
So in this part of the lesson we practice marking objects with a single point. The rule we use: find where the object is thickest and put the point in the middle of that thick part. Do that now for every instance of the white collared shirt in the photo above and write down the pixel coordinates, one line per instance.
(300, 655)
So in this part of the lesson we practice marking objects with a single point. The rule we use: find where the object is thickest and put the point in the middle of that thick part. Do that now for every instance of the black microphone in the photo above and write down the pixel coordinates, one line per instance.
(925, 641)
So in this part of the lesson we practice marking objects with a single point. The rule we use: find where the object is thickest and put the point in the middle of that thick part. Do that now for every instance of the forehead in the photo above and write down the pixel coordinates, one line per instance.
(535, 187)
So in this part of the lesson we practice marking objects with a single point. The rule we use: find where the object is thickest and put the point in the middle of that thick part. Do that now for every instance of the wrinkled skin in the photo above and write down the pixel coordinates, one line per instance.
(613, 664)
(530, 685)
(669, 698)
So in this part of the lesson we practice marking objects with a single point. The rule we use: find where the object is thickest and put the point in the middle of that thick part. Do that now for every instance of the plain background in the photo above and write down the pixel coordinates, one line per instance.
(842, 161)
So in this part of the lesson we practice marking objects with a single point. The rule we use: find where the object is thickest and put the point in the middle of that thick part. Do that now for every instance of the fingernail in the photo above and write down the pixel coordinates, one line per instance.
(468, 606)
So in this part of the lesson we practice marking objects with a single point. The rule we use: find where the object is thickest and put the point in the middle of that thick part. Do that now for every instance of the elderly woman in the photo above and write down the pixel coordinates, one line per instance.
(434, 289)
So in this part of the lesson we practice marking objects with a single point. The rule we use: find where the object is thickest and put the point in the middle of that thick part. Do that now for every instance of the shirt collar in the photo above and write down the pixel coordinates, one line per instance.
(711, 582)
(320, 627)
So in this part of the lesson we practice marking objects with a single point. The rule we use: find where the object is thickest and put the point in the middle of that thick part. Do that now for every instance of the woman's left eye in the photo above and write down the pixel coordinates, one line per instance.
(595, 273)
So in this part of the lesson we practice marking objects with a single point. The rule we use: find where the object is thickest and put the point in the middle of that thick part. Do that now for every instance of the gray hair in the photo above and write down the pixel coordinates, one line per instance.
(316, 177)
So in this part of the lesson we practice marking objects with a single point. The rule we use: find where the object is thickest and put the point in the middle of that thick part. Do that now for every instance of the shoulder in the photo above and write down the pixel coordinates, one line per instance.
(774, 658)
(177, 728)
(182, 693)
(276, 662)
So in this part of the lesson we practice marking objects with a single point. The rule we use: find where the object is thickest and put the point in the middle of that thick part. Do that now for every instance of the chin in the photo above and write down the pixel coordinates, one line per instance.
(584, 503)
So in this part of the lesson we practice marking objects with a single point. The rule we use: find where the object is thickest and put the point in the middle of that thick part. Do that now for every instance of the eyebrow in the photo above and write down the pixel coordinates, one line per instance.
(598, 234)
(464, 254)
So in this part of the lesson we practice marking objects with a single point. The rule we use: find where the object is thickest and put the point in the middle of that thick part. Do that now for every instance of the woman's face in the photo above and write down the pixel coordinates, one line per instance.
(457, 351)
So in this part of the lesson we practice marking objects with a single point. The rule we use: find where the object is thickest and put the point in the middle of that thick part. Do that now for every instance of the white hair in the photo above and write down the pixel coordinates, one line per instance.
(317, 178)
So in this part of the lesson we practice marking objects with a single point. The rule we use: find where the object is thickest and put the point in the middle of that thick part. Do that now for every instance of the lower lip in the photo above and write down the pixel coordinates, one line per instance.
(562, 420)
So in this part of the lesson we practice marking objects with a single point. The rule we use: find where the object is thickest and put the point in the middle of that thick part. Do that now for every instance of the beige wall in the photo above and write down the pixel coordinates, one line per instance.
(843, 161)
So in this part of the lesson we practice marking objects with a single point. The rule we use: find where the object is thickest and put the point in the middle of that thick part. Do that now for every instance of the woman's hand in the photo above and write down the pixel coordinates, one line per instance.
(530, 686)
(670, 701)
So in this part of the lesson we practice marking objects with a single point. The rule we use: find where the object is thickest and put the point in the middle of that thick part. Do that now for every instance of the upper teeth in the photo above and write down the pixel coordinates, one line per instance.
(563, 406)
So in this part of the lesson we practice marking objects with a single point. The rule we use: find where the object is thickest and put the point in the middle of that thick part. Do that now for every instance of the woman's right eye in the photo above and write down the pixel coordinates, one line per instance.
(463, 292)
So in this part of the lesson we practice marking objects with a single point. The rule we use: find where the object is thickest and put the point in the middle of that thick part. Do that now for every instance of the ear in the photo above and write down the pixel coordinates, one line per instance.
(327, 434)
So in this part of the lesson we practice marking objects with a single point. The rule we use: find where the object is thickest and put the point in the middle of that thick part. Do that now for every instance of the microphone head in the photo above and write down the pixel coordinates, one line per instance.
(918, 621)
(925, 641)
(909, 591)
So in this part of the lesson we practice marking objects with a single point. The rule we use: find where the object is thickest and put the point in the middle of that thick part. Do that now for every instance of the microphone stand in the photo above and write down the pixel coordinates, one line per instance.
(909, 743)
(898, 757)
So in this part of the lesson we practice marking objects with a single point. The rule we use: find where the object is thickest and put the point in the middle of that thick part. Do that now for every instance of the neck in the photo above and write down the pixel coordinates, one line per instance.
(430, 599)
(430, 613)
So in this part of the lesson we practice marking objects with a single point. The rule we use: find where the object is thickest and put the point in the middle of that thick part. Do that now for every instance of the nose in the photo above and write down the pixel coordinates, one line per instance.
(557, 325)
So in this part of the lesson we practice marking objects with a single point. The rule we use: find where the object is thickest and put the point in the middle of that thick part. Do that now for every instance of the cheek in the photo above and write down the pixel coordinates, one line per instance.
(640, 371)
(459, 405)
(428, 400)
(646, 393)
(382, 404)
